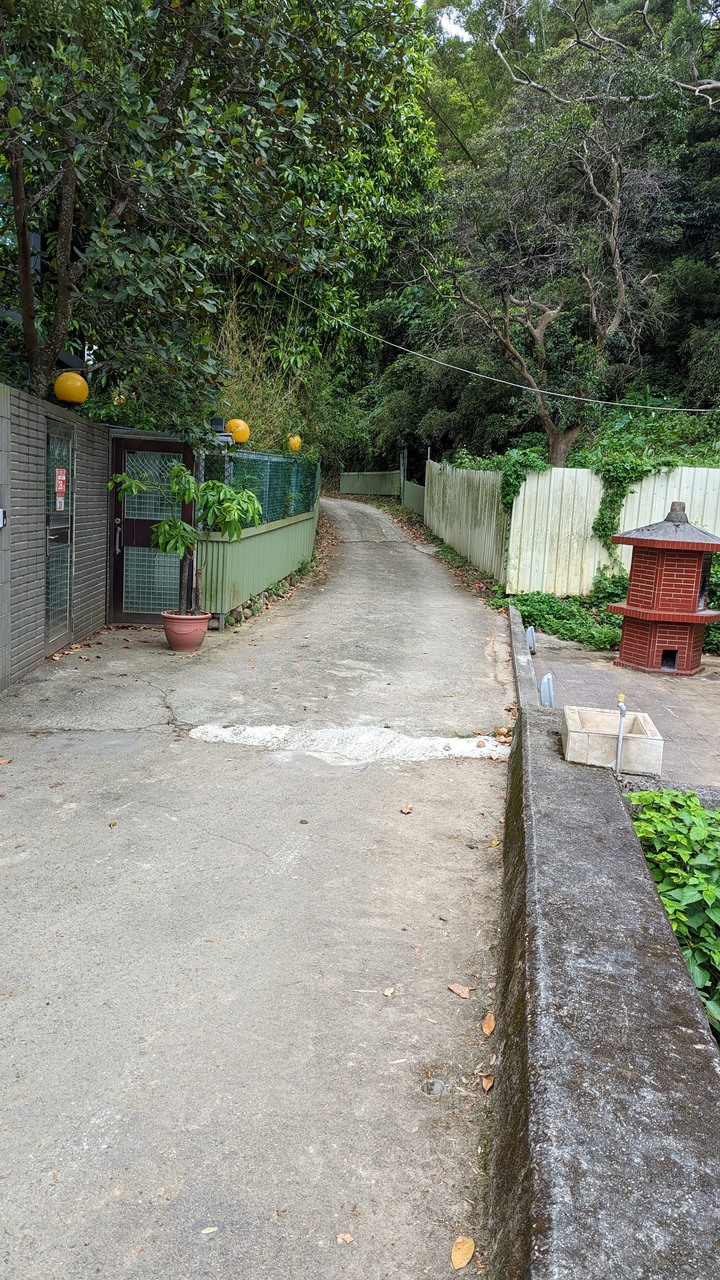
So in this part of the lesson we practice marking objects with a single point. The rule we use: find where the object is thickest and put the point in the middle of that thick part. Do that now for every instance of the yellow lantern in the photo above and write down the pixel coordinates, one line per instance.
(238, 429)
(294, 442)
(72, 388)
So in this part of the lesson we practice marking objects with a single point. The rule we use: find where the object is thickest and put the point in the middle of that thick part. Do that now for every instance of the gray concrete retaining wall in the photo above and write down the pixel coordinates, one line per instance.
(606, 1161)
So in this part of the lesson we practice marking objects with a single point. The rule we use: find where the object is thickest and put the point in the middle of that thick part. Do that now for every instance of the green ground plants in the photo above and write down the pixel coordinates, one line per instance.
(681, 841)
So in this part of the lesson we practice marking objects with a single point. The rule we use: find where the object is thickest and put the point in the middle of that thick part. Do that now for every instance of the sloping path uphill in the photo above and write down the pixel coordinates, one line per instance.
(228, 940)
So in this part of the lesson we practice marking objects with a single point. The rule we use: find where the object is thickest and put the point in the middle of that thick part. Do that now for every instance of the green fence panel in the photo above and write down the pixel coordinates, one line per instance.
(232, 572)
(381, 483)
(415, 497)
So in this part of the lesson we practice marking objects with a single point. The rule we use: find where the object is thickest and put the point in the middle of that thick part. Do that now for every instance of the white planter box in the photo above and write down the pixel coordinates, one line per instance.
(589, 736)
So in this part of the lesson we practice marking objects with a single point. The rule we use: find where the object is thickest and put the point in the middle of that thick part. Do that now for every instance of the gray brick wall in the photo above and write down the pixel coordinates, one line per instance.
(23, 419)
(5, 535)
(92, 507)
(27, 533)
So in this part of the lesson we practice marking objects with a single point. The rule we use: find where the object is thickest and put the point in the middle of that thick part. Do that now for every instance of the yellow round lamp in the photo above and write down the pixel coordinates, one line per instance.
(239, 430)
(295, 443)
(72, 388)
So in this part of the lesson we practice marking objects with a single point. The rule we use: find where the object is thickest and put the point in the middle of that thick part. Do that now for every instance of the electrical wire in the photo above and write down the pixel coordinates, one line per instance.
(472, 373)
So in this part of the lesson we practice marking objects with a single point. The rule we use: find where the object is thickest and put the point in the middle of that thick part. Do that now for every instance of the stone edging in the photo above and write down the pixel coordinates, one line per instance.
(606, 1161)
(523, 667)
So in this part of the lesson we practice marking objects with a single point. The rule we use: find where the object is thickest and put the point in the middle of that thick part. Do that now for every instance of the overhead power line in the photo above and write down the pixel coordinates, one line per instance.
(472, 373)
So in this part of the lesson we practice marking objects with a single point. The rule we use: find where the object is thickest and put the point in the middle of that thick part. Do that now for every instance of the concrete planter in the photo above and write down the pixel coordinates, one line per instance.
(589, 736)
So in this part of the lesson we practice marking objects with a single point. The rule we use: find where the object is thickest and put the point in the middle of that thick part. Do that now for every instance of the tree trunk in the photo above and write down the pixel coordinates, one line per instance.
(184, 577)
(560, 443)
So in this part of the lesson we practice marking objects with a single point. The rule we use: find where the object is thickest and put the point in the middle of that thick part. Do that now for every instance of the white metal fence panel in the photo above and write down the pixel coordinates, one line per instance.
(551, 545)
(697, 487)
(463, 508)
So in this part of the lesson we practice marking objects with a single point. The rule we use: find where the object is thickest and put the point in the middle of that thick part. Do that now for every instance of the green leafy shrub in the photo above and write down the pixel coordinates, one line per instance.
(571, 618)
(712, 634)
(582, 619)
(681, 841)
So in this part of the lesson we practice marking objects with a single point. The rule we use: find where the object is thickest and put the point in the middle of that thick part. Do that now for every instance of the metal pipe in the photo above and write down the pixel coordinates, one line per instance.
(622, 709)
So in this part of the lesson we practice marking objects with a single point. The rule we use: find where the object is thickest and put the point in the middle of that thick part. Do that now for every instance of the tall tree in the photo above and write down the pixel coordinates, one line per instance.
(151, 148)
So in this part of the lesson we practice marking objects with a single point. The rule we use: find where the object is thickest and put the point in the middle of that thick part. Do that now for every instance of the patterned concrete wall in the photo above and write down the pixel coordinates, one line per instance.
(23, 425)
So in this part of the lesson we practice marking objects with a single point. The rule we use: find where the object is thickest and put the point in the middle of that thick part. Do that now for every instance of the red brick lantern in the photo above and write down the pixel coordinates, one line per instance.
(665, 614)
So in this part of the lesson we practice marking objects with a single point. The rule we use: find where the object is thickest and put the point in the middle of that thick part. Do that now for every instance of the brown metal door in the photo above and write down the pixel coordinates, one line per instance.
(144, 581)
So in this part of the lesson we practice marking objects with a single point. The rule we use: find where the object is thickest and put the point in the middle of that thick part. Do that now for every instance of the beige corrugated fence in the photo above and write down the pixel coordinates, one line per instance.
(548, 544)
(463, 508)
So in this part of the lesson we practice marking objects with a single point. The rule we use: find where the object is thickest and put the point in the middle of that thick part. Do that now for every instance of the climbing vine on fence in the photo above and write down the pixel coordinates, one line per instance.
(513, 467)
(634, 444)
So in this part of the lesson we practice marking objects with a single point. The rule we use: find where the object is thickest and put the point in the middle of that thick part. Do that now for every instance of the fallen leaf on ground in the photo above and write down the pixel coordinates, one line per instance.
(488, 1023)
(206, 1231)
(389, 992)
(345, 1238)
(56, 657)
(493, 843)
(462, 1252)
(487, 1083)
(6, 760)
(458, 989)
(407, 808)
(112, 824)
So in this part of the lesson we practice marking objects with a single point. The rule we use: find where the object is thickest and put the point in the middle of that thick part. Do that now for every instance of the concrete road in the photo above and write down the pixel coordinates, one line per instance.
(225, 967)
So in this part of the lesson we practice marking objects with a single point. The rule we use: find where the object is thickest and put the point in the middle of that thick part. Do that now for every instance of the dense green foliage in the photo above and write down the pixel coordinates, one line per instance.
(575, 243)
(583, 619)
(151, 150)
(681, 841)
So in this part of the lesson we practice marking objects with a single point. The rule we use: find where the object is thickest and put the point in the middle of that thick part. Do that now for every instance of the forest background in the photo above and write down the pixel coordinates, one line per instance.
(259, 212)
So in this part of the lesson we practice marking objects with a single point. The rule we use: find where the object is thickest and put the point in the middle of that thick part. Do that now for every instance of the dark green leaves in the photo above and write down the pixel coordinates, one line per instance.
(681, 841)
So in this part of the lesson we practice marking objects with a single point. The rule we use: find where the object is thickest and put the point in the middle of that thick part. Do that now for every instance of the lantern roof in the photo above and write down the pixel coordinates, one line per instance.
(675, 531)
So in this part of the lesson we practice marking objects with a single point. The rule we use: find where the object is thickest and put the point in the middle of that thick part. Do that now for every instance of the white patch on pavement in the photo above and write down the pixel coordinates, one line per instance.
(357, 744)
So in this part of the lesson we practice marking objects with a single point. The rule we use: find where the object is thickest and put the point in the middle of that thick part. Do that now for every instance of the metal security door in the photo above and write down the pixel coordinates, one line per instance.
(144, 581)
(59, 499)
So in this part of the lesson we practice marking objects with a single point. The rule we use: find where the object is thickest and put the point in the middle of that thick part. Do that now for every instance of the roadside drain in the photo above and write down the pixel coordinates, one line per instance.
(353, 745)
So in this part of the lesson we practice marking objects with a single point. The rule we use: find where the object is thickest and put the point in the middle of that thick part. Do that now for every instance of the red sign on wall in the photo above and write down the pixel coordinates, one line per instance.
(60, 481)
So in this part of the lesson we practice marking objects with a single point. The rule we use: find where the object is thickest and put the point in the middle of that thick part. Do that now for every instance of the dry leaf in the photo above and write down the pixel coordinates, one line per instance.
(389, 992)
(493, 843)
(462, 1252)
(6, 760)
(206, 1231)
(487, 1083)
(345, 1238)
(407, 808)
(56, 657)
(488, 1023)
(459, 990)
(112, 824)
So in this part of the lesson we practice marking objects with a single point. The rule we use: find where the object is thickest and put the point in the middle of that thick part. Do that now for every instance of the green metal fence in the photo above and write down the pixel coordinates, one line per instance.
(284, 486)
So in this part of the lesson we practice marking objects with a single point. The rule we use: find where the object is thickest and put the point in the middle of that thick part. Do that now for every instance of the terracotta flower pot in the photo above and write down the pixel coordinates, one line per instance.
(185, 632)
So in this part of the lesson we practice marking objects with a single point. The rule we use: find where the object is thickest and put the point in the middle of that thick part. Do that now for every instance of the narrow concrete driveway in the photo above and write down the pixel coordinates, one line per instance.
(225, 967)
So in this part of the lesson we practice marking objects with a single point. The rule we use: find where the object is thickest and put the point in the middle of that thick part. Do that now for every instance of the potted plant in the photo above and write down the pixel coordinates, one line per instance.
(218, 508)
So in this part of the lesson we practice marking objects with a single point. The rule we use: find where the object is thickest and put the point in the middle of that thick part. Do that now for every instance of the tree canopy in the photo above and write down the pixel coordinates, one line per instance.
(575, 244)
(153, 149)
